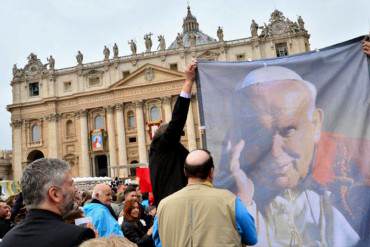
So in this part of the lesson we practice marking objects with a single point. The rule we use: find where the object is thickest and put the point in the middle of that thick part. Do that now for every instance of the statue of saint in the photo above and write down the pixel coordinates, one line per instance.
(115, 50)
(106, 53)
(51, 62)
(254, 28)
(148, 42)
(79, 58)
(32, 57)
(15, 70)
(301, 23)
(132, 47)
(179, 40)
(162, 43)
(220, 34)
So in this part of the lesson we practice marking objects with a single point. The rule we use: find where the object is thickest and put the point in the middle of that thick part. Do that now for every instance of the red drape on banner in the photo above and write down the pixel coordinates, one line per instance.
(144, 179)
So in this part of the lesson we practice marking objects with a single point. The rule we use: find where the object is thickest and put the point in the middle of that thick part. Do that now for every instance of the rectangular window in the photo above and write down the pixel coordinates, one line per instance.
(173, 66)
(281, 49)
(67, 85)
(34, 89)
(132, 139)
(94, 81)
(240, 57)
(125, 73)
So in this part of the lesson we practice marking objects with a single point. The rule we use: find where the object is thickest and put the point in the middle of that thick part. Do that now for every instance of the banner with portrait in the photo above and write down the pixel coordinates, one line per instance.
(291, 137)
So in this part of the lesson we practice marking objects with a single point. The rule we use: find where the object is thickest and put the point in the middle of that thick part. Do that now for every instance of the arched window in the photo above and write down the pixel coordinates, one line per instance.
(70, 130)
(36, 133)
(131, 120)
(99, 122)
(155, 114)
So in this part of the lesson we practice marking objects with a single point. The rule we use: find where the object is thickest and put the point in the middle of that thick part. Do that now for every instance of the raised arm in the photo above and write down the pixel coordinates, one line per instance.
(180, 111)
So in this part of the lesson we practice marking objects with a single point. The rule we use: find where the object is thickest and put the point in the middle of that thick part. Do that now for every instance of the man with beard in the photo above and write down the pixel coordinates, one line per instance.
(272, 153)
(101, 212)
(48, 193)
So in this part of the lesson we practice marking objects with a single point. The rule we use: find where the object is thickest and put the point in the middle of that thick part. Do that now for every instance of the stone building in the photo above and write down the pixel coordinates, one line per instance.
(100, 116)
(5, 164)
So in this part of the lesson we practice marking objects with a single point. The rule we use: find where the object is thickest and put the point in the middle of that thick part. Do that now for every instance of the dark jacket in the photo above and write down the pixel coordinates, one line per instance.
(136, 232)
(5, 226)
(43, 228)
(167, 155)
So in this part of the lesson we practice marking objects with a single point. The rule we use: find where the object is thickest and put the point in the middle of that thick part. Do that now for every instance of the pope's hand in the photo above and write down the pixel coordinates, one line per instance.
(244, 184)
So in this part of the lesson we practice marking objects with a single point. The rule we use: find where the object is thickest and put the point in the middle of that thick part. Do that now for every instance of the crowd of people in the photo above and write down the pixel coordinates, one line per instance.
(51, 211)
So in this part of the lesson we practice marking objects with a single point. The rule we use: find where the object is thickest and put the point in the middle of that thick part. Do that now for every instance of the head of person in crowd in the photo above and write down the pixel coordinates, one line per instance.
(86, 196)
(138, 193)
(280, 125)
(102, 193)
(130, 193)
(4, 210)
(112, 241)
(120, 197)
(199, 166)
(47, 184)
(121, 187)
(11, 200)
(132, 210)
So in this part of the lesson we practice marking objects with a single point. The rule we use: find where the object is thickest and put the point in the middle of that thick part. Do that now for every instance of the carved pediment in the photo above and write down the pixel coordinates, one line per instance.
(148, 74)
(34, 66)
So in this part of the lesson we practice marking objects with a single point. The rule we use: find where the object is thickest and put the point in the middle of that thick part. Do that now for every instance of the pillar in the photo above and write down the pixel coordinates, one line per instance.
(84, 165)
(140, 126)
(53, 136)
(167, 109)
(112, 142)
(17, 149)
(121, 137)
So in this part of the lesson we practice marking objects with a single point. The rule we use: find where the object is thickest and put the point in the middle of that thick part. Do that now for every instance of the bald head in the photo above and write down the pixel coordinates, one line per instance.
(103, 193)
(198, 164)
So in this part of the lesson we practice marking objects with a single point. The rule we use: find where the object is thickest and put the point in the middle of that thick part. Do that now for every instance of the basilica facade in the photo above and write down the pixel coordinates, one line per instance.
(100, 116)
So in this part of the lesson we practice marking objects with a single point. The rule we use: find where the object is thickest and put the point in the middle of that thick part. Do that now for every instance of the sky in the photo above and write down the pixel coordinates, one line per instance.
(62, 27)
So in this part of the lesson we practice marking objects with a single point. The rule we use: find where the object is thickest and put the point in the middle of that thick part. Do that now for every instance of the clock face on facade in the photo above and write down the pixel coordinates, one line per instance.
(278, 27)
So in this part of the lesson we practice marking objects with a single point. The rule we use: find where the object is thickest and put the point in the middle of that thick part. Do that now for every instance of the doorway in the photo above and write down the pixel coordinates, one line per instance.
(34, 155)
(101, 165)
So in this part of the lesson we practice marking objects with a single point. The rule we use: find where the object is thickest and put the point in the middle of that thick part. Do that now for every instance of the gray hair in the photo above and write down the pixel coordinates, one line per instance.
(39, 176)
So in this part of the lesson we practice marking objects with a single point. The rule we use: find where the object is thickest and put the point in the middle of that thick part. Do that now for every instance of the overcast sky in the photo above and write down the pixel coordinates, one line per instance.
(63, 27)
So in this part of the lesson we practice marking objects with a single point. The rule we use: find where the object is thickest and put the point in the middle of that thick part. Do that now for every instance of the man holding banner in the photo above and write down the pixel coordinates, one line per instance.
(167, 154)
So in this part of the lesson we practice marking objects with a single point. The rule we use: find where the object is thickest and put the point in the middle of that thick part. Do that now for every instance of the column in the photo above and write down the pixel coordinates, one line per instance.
(167, 109)
(84, 164)
(112, 142)
(192, 143)
(52, 135)
(17, 149)
(140, 127)
(122, 153)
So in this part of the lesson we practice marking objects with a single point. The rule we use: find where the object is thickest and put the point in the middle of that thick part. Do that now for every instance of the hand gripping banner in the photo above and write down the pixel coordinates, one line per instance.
(291, 137)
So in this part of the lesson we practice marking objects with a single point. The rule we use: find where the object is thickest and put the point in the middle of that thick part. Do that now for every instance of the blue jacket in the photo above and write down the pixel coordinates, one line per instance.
(102, 220)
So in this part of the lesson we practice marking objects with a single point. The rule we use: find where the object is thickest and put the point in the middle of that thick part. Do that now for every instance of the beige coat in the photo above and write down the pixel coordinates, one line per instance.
(198, 215)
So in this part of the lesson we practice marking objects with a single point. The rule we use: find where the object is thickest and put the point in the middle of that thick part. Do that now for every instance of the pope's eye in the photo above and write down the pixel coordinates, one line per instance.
(288, 131)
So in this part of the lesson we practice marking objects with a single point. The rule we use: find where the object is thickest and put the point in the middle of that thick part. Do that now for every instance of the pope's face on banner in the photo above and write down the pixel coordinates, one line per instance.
(280, 128)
